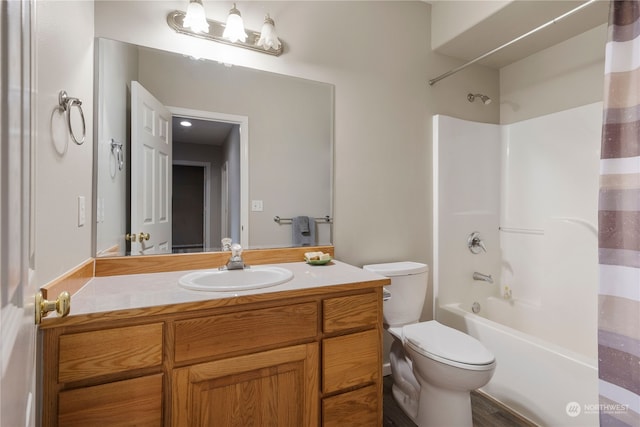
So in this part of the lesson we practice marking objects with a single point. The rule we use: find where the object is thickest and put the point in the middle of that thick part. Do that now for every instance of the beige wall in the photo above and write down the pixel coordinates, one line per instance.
(118, 66)
(453, 18)
(62, 170)
(567, 75)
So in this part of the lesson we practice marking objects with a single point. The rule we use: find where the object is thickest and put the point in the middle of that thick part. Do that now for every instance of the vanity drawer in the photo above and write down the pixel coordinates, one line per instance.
(350, 312)
(235, 333)
(350, 360)
(358, 408)
(90, 354)
(119, 403)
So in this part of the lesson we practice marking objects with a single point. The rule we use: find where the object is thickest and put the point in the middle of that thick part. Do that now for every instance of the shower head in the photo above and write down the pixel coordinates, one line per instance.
(484, 98)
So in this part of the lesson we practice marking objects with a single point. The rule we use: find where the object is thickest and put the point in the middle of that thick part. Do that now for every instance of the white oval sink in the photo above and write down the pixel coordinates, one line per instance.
(235, 280)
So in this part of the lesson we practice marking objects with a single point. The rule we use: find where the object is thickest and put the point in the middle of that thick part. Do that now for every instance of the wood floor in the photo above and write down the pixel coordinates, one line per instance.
(485, 412)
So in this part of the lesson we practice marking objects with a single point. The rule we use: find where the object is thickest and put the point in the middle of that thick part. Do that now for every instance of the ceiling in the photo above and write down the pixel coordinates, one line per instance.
(517, 18)
(201, 131)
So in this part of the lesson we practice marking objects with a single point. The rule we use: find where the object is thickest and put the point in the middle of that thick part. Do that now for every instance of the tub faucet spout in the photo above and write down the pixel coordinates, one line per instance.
(483, 277)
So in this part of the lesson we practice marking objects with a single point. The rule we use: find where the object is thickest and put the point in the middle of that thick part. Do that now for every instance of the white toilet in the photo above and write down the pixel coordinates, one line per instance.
(434, 367)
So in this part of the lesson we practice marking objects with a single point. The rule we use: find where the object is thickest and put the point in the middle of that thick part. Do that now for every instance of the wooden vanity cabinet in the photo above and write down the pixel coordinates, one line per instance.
(310, 360)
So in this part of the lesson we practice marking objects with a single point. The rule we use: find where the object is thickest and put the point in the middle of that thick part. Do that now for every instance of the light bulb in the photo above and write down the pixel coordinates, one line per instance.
(196, 18)
(234, 29)
(268, 37)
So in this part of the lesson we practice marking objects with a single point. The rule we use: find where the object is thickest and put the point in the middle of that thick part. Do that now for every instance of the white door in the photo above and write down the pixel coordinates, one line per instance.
(150, 173)
(17, 328)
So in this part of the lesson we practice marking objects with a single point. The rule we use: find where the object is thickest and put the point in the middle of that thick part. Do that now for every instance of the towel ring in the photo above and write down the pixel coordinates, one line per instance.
(67, 103)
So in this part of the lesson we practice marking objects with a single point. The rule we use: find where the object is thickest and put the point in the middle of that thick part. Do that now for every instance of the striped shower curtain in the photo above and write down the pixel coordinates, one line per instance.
(619, 222)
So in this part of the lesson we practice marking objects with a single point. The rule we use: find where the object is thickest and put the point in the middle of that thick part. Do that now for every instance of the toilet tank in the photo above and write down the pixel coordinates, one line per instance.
(408, 290)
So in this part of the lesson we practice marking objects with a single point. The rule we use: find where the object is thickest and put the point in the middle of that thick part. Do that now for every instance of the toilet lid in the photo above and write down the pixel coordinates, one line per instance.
(433, 338)
(403, 268)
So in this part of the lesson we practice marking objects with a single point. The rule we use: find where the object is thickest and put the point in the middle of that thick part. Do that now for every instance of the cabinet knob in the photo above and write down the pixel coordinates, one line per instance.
(62, 305)
(144, 236)
(130, 237)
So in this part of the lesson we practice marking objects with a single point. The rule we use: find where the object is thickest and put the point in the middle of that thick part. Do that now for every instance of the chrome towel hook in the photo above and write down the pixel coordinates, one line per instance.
(67, 103)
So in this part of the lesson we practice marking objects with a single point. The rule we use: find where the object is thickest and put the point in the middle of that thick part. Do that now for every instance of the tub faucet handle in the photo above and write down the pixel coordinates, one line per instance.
(475, 243)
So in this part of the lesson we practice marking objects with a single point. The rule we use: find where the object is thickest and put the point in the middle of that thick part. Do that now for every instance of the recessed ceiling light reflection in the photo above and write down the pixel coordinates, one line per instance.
(185, 123)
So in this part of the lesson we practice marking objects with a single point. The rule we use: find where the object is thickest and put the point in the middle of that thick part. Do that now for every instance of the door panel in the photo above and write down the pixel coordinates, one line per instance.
(150, 173)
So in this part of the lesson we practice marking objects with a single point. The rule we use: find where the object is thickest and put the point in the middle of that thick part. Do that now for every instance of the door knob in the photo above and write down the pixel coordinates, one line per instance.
(130, 237)
(62, 305)
(144, 236)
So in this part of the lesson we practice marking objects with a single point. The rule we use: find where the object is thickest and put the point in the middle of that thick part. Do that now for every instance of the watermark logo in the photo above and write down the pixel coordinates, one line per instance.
(573, 409)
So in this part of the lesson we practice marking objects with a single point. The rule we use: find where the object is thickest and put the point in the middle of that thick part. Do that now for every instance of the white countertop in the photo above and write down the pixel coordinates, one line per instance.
(102, 294)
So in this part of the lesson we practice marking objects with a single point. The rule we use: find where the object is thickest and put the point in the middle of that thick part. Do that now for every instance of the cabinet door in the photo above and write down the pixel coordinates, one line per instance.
(272, 388)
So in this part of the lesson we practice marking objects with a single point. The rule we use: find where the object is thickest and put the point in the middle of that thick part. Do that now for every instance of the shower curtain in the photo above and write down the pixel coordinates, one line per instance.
(619, 222)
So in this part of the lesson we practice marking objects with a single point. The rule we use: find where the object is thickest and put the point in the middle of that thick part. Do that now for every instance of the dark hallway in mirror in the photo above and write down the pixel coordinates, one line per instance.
(203, 173)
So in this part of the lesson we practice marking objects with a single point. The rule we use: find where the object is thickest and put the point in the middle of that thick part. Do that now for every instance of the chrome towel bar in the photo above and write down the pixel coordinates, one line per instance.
(325, 219)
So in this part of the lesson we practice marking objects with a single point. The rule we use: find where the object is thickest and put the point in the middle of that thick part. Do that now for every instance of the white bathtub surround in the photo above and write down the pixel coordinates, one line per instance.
(530, 189)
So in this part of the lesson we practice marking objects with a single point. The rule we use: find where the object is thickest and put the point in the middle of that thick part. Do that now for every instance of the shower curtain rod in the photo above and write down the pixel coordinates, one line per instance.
(517, 39)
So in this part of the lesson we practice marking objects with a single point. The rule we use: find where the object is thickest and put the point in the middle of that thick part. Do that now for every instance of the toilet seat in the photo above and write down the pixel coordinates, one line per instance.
(447, 345)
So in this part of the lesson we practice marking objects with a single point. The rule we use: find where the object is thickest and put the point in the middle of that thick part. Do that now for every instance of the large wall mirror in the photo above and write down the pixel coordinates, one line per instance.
(190, 151)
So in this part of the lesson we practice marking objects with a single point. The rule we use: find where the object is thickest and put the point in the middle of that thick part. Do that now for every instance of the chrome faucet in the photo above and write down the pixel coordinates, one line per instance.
(475, 243)
(235, 262)
(483, 277)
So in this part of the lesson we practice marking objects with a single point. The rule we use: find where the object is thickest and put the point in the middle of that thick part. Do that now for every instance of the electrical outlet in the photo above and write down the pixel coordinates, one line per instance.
(256, 205)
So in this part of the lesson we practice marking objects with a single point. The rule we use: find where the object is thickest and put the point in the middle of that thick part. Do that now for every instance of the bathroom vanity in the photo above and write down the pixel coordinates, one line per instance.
(138, 347)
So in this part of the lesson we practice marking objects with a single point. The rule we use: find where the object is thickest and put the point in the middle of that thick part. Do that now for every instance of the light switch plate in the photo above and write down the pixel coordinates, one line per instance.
(256, 205)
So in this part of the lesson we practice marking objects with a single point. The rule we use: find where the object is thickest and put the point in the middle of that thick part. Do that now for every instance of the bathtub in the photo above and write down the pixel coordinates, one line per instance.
(547, 383)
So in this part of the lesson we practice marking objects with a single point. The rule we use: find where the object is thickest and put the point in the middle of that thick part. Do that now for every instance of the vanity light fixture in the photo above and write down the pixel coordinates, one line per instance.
(231, 33)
